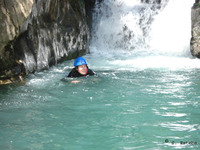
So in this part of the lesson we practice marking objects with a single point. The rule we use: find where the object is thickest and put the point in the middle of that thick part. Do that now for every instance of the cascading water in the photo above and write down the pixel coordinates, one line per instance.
(145, 94)
(122, 25)
(155, 34)
(171, 30)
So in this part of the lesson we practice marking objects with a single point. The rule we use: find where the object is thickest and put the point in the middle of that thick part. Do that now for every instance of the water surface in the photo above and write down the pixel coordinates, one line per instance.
(145, 94)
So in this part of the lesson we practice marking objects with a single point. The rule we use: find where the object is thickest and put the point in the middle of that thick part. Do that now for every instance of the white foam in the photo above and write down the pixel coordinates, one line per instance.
(172, 63)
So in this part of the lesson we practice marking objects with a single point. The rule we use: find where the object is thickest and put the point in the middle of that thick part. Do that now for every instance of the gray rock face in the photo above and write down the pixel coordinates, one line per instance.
(56, 30)
(13, 14)
(195, 40)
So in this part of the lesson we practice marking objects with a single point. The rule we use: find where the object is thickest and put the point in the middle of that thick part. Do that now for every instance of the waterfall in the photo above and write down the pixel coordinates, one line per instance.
(143, 29)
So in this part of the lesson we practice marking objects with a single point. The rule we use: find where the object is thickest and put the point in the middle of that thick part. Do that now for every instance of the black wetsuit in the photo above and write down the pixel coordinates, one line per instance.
(74, 73)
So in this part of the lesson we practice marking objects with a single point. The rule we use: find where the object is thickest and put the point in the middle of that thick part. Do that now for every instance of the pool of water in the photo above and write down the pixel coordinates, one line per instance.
(120, 108)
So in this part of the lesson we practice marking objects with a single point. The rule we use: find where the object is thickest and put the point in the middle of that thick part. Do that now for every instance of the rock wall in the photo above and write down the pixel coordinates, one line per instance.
(49, 32)
(55, 31)
(13, 14)
(195, 40)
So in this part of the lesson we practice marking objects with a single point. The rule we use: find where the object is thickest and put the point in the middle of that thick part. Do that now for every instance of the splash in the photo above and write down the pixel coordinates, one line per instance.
(124, 24)
(171, 30)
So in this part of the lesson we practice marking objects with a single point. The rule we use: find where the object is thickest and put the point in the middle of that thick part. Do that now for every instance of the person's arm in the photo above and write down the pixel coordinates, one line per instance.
(75, 81)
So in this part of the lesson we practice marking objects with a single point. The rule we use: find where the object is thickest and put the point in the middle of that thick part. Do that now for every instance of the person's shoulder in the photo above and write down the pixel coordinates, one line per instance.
(73, 73)
(90, 72)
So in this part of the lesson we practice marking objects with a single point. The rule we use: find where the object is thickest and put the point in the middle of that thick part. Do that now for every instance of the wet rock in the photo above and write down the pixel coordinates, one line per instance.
(195, 40)
(18, 79)
(151, 1)
(14, 74)
(89, 7)
(55, 31)
(13, 14)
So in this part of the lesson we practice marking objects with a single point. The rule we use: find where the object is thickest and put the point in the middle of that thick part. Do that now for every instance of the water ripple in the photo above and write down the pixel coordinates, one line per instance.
(180, 127)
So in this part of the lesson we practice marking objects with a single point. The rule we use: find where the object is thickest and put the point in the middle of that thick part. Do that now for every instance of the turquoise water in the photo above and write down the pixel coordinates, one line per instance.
(118, 109)
(145, 95)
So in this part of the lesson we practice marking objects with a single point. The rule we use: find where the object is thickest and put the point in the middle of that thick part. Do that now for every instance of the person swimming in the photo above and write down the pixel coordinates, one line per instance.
(80, 69)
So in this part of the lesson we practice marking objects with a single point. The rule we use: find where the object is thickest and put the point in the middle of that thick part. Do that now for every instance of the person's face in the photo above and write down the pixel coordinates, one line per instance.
(82, 69)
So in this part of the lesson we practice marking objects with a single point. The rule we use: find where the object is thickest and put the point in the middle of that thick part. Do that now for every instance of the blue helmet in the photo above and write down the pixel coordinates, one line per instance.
(80, 61)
